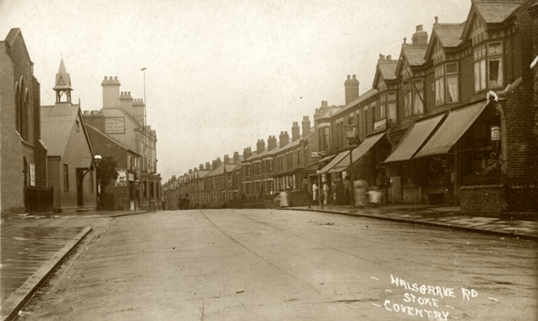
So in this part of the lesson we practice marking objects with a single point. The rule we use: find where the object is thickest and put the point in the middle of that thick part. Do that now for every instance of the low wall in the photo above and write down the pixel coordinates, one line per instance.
(487, 200)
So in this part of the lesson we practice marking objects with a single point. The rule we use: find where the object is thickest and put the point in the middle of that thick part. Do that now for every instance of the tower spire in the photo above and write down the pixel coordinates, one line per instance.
(63, 84)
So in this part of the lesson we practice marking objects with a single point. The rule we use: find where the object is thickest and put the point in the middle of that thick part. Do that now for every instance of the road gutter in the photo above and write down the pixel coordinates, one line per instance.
(11, 307)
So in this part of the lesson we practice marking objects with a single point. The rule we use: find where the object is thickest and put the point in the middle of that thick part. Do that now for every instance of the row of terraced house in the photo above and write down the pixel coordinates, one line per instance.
(452, 119)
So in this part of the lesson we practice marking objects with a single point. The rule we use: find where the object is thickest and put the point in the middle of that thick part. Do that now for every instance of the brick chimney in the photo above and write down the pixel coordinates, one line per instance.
(306, 126)
(201, 167)
(226, 159)
(284, 138)
(352, 88)
(295, 131)
(260, 146)
(271, 143)
(111, 92)
(236, 158)
(247, 153)
(420, 37)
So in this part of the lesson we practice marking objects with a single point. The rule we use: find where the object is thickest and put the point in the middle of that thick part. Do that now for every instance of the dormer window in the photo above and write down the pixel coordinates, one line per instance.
(446, 83)
(488, 72)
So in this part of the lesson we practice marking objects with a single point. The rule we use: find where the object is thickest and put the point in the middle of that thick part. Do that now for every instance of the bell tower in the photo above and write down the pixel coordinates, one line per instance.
(63, 85)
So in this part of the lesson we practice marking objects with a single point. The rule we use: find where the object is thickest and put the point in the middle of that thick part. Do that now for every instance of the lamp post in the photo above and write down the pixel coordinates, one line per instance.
(96, 160)
(350, 135)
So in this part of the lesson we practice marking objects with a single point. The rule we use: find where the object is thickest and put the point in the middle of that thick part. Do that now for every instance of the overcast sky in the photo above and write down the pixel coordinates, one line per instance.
(219, 74)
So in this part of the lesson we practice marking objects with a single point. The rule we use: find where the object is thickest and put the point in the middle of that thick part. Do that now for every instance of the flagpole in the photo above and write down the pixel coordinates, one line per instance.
(145, 102)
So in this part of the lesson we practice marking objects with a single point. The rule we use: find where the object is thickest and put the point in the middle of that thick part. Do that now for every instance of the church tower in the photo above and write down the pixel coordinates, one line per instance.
(63, 85)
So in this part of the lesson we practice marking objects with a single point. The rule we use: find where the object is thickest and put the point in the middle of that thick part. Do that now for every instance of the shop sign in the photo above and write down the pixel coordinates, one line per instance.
(495, 133)
(380, 125)
(122, 177)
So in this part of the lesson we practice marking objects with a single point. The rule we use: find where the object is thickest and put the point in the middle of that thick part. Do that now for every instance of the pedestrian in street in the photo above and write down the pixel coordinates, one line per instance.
(314, 192)
(360, 188)
(374, 196)
(283, 196)
(326, 192)
(333, 192)
(346, 191)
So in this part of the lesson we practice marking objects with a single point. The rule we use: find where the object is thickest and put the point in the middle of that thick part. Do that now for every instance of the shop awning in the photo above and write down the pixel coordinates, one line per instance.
(357, 153)
(456, 124)
(413, 139)
(334, 162)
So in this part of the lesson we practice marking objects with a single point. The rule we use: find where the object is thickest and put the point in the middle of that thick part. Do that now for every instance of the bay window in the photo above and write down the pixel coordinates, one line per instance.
(413, 99)
(446, 83)
(488, 71)
(391, 107)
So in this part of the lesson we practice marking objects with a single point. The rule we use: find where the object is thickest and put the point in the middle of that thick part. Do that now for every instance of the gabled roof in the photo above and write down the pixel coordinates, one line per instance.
(447, 34)
(12, 36)
(415, 55)
(490, 11)
(495, 11)
(56, 124)
(386, 69)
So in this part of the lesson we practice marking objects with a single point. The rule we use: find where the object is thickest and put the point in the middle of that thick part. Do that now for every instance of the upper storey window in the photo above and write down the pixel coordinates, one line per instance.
(391, 107)
(414, 101)
(488, 69)
(446, 83)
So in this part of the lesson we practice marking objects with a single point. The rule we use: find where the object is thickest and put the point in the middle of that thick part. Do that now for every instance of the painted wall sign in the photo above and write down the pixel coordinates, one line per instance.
(115, 125)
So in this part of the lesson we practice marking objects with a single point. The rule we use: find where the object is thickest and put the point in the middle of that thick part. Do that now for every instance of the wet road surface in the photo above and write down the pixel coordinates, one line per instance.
(289, 265)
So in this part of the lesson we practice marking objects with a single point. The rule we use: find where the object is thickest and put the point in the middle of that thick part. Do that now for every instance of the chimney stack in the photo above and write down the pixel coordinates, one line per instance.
(420, 37)
(306, 126)
(284, 138)
(226, 159)
(111, 92)
(260, 146)
(236, 158)
(295, 131)
(352, 88)
(271, 143)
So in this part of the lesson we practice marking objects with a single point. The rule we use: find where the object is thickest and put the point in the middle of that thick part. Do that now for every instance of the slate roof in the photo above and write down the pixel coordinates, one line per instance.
(387, 69)
(56, 125)
(414, 55)
(449, 34)
(496, 11)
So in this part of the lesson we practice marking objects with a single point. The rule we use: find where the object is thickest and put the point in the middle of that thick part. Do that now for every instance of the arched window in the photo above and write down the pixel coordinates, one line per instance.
(22, 101)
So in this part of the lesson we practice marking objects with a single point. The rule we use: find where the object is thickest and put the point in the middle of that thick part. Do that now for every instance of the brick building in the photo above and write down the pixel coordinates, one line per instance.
(123, 119)
(23, 157)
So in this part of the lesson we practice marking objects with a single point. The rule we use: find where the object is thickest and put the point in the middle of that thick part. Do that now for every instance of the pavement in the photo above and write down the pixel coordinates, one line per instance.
(34, 246)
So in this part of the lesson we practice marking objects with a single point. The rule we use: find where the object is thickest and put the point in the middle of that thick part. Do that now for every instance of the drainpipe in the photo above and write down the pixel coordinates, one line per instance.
(500, 99)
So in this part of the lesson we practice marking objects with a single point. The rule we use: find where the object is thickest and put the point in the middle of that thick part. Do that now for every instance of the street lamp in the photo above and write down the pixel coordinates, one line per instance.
(350, 135)
(96, 160)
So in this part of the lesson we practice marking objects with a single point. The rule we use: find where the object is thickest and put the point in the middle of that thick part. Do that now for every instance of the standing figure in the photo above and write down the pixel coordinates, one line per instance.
(326, 193)
(283, 196)
(314, 192)
(360, 186)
